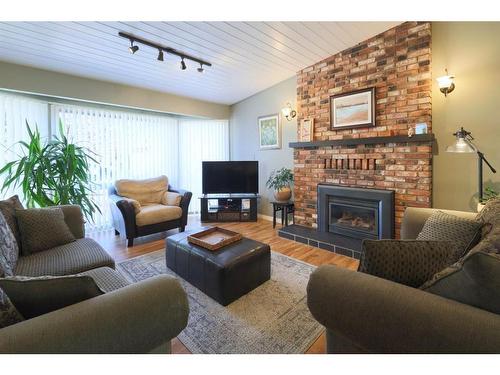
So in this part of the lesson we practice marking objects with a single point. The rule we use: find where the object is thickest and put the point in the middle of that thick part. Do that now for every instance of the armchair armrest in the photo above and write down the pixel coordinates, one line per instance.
(185, 200)
(123, 212)
(415, 217)
(381, 316)
(138, 318)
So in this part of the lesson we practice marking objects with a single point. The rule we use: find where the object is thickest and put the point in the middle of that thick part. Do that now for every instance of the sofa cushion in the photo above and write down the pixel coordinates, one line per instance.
(146, 192)
(8, 209)
(171, 199)
(490, 216)
(464, 233)
(9, 251)
(475, 282)
(34, 296)
(42, 229)
(408, 262)
(78, 256)
(107, 279)
(8, 313)
(157, 213)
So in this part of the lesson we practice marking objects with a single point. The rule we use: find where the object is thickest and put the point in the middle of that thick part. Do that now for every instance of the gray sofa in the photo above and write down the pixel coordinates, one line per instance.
(128, 318)
(367, 314)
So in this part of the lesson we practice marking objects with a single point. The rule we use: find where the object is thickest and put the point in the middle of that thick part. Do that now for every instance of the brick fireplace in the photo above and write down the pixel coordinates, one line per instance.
(398, 64)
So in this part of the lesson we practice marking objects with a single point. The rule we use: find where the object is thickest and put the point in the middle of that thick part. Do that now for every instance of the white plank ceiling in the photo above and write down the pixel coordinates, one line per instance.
(247, 57)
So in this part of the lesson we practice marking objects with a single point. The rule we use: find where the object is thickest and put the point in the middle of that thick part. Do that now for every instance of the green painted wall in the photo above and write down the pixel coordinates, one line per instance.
(244, 134)
(45, 82)
(470, 51)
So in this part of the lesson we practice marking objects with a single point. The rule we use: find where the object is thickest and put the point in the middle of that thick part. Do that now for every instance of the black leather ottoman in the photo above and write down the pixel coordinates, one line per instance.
(225, 274)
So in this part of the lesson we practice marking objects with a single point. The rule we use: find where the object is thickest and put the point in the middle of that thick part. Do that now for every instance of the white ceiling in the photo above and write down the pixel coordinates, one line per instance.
(247, 57)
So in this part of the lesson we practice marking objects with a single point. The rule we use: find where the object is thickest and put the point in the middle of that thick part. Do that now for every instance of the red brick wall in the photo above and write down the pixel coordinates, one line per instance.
(397, 63)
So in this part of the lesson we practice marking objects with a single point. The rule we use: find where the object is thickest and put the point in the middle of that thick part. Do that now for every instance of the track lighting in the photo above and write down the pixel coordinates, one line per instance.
(133, 49)
(160, 55)
(161, 49)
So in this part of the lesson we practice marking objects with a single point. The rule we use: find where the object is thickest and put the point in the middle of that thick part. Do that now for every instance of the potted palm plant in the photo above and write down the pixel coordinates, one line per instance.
(280, 181)
(52, 172)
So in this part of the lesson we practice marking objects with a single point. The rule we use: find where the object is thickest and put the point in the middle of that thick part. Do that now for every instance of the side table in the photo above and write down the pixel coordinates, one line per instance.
(286, 208)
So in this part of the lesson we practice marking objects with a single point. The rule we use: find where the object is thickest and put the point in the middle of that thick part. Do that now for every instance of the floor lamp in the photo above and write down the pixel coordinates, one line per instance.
(464, 144)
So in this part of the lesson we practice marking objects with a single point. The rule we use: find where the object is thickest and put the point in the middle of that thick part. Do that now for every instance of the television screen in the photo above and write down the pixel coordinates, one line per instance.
(230, 177)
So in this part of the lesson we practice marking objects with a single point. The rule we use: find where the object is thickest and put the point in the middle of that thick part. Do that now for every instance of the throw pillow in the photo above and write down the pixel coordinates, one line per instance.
(8, 209)
(407, 262)
(9, 251)
(8, 313)
(464, 233)
(171, 199)
(34, 296)
(490, 216)
(490, 245)
(42, 229)
(475, 282)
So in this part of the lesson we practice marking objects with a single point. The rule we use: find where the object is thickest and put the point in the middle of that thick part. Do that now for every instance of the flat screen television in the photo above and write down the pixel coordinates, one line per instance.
(230, 177)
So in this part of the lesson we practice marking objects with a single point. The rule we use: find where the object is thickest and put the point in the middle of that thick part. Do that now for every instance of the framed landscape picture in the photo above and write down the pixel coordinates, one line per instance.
(306, 129)
(269, 132)
(352, 110)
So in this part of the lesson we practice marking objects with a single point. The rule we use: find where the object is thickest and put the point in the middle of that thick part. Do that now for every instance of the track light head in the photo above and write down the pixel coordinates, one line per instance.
(133, 49)
(200, 69)
(183, 64)
(160, 55)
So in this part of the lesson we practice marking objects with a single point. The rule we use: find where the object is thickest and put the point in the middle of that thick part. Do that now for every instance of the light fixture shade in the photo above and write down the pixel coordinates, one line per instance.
(183, 65)
(160, 55)
(133, 49)
(445, 82)
(289, 112)
(460, 146)
(286, 111)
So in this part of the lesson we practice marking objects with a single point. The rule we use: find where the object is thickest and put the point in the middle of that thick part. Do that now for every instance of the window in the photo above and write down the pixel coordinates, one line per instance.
(15, 111)
(127, 144)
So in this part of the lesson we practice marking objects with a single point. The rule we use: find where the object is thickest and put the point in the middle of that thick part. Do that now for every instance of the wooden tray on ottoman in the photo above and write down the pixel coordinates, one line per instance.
(214, 238)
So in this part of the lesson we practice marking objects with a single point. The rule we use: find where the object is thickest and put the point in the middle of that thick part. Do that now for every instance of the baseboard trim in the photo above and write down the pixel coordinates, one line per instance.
(269, 218)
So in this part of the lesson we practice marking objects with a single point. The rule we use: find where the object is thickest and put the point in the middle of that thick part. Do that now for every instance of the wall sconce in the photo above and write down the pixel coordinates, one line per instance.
(445, 83)
(288, 112)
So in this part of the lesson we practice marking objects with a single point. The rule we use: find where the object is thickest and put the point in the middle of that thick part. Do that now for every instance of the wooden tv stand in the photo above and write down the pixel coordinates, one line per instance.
(228, 207)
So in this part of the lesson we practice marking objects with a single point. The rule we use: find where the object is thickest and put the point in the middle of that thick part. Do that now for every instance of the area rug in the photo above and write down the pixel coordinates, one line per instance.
(272, 318)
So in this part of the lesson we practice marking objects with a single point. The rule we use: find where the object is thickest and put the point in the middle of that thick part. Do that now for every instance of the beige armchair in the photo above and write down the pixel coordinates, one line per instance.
(143, 207)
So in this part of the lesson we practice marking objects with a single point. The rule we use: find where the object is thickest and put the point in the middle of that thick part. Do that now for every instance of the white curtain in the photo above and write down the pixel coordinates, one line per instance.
(200, 140)
(15, 111)
(126, 144)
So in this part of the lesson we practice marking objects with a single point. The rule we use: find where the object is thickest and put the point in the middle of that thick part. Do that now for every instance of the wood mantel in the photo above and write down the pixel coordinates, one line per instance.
(365, 141)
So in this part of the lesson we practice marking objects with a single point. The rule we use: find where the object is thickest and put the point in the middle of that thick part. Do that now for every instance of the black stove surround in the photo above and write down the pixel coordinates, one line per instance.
(356, 212)
(347, 216)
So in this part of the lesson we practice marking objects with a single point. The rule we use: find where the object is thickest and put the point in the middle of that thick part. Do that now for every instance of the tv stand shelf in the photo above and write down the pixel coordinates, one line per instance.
(228, 207)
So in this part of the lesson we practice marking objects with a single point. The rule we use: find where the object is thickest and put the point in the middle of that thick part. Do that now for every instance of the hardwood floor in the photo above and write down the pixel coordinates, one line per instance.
(261, 230)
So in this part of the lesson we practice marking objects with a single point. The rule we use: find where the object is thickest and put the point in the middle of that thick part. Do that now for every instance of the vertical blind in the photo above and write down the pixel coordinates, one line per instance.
(126, 143)
(15, 111)
(200, 140)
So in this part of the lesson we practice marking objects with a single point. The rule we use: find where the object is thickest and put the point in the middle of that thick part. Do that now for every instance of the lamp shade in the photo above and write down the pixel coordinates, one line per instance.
(460, 146)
